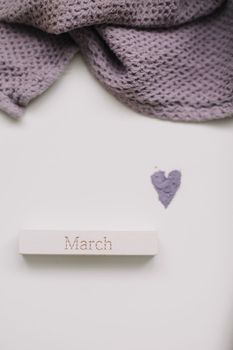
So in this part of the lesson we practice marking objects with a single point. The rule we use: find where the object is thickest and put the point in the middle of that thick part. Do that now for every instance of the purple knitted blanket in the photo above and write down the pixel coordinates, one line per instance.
(170, 59)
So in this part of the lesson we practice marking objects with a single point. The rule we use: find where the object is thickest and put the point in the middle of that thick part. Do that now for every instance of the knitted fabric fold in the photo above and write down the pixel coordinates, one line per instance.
(30, 61)
(169, 59)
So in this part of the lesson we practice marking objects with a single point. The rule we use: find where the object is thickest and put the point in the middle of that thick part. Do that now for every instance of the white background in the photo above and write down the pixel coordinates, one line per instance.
(79, 159)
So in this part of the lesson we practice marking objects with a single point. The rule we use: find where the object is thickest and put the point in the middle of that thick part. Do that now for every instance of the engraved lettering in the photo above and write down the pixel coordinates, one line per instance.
(83, 245)
(69, 245)
(76, 243)
(107, 243)
(98, 245)
(90, 244)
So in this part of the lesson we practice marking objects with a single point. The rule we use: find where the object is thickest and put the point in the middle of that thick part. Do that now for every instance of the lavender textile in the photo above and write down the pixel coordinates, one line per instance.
(166, 187)
(170, 59)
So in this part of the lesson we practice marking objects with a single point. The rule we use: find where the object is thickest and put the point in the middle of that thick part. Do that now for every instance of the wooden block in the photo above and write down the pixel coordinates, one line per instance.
(61, 242)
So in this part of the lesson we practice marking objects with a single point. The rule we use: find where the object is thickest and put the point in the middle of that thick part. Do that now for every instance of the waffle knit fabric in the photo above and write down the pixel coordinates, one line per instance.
(170, 59)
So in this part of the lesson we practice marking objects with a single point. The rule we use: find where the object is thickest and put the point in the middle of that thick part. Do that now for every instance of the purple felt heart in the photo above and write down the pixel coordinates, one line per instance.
(166, 187)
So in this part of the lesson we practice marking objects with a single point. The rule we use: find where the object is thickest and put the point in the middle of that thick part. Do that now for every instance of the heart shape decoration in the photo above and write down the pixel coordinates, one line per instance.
(166, 186)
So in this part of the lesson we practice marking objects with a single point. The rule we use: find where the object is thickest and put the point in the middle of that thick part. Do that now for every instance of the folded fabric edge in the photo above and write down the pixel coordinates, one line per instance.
(185, 113)
(8, 106)
(52, 76)
(16, 110)
(175, 112)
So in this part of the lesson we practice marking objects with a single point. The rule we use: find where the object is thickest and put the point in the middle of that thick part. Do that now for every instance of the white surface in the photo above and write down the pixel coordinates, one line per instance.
(63, 242)
(80, 159)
